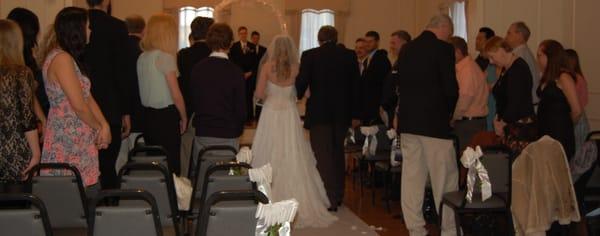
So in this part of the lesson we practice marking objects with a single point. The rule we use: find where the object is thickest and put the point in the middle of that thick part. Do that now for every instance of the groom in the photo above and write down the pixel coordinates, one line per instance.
(330, 73)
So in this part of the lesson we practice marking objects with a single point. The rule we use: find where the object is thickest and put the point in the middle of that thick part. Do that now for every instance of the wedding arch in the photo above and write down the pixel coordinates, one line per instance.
(277, 12)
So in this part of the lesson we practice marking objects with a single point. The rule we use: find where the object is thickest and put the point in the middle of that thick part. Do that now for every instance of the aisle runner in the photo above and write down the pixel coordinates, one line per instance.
(348, 224)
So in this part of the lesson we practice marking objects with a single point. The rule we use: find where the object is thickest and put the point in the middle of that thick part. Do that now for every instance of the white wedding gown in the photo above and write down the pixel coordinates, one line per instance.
(280, 140)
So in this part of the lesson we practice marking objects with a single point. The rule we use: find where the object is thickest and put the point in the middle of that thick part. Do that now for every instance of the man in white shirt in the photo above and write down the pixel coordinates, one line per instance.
(517, 36)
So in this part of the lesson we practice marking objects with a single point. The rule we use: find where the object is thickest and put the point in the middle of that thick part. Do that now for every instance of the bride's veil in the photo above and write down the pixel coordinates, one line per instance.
(283, 53)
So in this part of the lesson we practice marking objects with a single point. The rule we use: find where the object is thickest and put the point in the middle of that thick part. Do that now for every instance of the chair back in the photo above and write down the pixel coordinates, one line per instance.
(207, 157)
(148, 154)
(62, 193)
(497, 161)
(217, 179)
(32, 220)
(124, 220)
(226, 212)
(159, 183)
(593, 183)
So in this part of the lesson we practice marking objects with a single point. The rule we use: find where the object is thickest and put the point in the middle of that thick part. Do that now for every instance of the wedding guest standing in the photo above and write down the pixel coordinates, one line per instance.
(582, 127)
(259, 49)
(485, 33)
(428, 91)
(512, 90)
(187, 58)
(331, 74)
(19, 146)
(490, 70)
(219, 100)
(389, 100)
(559, 107)
(30, 28)
(376, 66)
(135, 26)
(106, 60)
(164, 107)
(471, 108)
(517, 37)
(76, 126)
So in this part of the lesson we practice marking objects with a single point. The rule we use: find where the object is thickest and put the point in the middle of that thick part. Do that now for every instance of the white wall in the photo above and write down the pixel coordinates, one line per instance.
(46, 10)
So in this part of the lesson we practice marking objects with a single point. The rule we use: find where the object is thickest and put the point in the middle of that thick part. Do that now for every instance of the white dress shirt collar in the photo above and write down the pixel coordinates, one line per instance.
(219, 55)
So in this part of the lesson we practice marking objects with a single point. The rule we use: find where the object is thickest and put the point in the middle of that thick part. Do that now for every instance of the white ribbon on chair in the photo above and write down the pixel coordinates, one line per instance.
(394, 149)
(280, 213)
(244, 155)
(370, 132)
(263, 177)
(470, 160)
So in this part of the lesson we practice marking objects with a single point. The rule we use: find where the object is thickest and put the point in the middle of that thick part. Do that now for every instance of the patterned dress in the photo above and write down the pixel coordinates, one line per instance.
(67, 138)
(16, 118)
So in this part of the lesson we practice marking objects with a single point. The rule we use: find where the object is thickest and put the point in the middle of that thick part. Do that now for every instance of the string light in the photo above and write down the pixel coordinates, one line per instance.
(219, 7)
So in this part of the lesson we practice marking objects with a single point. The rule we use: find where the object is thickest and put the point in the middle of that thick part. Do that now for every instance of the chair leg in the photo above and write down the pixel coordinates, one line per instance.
(360, 176)
(373, 180)
(457, 222)
(387, 190)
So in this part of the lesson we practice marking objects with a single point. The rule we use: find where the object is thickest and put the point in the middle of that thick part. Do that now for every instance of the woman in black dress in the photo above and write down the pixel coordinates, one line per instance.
(559, 107)
(512, 90)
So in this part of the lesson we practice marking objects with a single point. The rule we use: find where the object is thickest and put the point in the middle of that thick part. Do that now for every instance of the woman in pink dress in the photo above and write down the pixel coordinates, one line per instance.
(76, 128)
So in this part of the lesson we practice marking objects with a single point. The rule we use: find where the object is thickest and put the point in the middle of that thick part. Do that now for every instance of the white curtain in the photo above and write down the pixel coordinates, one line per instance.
(186, 16)
(459, 18)
(312, 21)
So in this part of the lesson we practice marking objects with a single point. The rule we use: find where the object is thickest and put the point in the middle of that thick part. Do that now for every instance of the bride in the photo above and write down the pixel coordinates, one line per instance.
(280, 140)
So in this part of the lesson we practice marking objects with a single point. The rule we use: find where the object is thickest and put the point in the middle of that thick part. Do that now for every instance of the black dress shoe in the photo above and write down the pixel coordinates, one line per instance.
(332, 209)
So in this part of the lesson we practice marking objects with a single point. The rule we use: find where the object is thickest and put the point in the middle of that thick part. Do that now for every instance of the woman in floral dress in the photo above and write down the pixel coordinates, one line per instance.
(76, 128)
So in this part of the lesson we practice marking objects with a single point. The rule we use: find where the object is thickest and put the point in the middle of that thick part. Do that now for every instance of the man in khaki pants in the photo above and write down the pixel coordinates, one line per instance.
(428, 92)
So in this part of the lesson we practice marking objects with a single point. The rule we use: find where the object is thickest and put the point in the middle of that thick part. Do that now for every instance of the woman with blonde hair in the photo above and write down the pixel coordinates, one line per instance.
(280, 139)
(19, 146)
(164, 107)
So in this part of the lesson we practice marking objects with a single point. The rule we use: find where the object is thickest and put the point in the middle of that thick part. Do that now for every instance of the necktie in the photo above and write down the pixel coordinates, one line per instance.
(365, 64)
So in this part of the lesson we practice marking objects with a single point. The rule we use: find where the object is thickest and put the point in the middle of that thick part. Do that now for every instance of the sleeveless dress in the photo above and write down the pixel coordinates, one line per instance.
(554, 117)
(67, 138)
(280, 141)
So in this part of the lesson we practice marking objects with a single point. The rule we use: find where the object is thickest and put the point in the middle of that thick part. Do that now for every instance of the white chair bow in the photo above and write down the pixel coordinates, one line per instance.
(244, 155)
(470, 160)
(370, 145)
(263, 177)
(280, 213)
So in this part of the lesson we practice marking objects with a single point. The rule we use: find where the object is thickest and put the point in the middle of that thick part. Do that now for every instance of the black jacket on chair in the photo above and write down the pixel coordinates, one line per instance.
(371, 86)
(427, 86)
(331, 73)
(106, 59)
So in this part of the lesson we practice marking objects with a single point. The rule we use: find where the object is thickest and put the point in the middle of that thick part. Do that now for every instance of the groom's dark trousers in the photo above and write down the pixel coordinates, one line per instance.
(327, 142)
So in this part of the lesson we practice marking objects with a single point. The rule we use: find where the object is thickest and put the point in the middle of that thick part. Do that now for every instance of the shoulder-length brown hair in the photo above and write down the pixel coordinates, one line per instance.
(11, 41)
(161, 34)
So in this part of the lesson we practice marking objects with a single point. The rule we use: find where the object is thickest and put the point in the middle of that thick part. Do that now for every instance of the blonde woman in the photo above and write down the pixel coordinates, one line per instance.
(280, 140)
(19, 146)
(161, 97)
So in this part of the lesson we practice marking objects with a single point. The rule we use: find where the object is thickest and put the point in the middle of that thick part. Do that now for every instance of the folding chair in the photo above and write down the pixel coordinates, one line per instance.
(160, 185)
(64, 197)
(125, 220)
(230, 213)
(498, 162)
(148, 154)
(29, 221)
(207, 157)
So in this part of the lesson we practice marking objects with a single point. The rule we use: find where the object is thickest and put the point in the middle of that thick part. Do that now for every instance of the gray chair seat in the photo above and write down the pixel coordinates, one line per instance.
(70, 232)
(21, 222)
(124, 221)
(455, 199)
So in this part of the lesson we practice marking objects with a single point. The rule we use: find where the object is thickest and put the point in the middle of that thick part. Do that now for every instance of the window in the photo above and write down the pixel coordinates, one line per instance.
(186, 16)
(312, 21)
(459, 18)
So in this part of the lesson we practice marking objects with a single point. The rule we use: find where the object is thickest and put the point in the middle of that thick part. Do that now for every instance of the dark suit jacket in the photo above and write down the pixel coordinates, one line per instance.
(371, 86)
(261, 52)
(512, 92)
(137, 116)
(389, 96)
(106, 60)
(427, 85)
(244, 61)
(186, 59)
(331, 73)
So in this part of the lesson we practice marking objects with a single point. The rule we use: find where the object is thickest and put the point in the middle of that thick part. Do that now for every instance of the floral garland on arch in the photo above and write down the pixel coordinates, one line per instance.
(280, 17)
